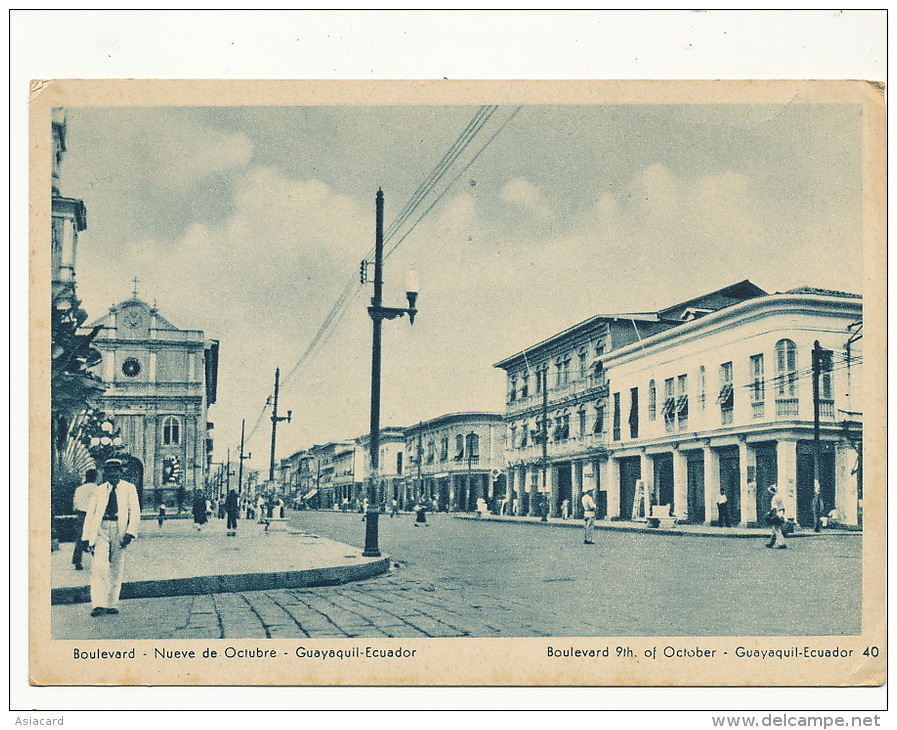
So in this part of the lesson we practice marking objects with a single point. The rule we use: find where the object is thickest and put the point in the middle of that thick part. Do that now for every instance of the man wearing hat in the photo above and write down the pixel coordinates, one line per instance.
(111, 523)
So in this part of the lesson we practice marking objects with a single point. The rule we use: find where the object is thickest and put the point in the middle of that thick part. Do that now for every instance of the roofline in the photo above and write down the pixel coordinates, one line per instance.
(743, 282)
(421, 425)
(629, 316)
(721, 315)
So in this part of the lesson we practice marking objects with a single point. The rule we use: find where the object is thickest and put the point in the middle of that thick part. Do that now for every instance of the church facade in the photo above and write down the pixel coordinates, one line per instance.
(160, 382)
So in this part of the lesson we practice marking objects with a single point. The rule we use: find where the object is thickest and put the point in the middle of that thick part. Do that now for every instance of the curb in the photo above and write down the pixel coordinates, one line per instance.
(741, 535)
(198, 585)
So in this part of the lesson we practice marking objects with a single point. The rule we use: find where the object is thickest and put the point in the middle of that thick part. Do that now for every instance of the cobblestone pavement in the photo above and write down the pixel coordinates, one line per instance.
(480, 579)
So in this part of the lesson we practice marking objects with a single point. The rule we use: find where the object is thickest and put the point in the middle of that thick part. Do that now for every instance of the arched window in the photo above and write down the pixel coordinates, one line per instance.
(786, 369)
(652, 401)
(171, 431)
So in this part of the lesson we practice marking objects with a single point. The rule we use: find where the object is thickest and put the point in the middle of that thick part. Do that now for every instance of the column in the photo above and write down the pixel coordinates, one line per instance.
(680, 485)
(533, 479)
(453, 491)
(786, 455)
(610, 468)
(711, 483)
(551, 474)
(109, 363)
(747, 459)
(846, 492)
(646, 469)
(579, 471)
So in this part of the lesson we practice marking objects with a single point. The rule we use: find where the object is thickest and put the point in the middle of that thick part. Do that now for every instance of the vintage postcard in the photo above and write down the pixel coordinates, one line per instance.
(457, 383)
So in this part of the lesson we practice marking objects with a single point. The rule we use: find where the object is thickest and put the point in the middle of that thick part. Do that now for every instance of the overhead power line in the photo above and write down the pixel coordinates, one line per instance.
(417, 199)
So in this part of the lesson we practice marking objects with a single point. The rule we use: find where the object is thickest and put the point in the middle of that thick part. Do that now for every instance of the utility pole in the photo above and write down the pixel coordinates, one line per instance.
(378, 313)
(821, 357)
(227, 471)
(274, 421)
(242, 456)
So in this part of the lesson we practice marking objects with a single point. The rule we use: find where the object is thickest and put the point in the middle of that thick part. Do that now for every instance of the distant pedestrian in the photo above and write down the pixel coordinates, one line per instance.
(588, 514)
(161, 517)
(364, 509)
(565, 509)
(111, 524)
(420, 515)
(775, 518)
(232, 510)
(514, 506)
(482, 507)
(722, 504)
(260, 509)
(80, 501)
(200, 516)
(394, 508)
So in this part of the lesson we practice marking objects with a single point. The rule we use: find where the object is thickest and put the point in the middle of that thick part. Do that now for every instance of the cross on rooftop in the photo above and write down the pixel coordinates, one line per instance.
(136, 281)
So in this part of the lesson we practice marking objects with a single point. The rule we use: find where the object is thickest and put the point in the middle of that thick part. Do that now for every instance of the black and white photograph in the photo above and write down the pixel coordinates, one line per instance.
(371, 373)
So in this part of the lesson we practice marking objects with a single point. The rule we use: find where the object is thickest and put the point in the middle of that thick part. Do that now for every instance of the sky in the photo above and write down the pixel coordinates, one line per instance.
(249, 222)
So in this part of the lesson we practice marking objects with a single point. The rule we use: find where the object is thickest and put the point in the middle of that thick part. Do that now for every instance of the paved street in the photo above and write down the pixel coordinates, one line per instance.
(483, 579)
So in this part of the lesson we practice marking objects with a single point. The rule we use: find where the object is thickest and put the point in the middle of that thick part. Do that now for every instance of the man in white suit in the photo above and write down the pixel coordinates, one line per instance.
(111, 524)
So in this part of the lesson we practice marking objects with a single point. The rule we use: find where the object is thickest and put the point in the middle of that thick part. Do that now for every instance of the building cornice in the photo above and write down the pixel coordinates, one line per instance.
(748, 310)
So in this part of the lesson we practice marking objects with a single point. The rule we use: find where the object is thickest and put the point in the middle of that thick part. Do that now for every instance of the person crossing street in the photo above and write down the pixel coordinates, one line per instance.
(110, 525)
(588, 514)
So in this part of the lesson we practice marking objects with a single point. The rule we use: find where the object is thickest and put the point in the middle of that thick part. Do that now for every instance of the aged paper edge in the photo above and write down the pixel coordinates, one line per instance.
(461, 662)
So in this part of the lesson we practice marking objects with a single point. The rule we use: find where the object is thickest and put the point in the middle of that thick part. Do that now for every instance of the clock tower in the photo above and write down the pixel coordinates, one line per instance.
(160, 382)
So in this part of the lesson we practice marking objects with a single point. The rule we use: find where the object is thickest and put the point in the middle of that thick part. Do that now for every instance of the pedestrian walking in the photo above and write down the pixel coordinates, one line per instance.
(565, 509)
(80, 502)
(110, 525)
(722, 504)
(776, 519)
(161, 514)
(420, 515)
(199, 511)
(588, 514)
(482, 507)
(394, 508)
(232, 509)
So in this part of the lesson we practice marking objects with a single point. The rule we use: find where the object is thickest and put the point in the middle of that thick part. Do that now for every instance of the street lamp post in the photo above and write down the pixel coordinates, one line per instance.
(378, 313)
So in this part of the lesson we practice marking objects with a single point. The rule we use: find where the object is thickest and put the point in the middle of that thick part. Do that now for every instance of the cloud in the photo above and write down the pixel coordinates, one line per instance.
(520, 192)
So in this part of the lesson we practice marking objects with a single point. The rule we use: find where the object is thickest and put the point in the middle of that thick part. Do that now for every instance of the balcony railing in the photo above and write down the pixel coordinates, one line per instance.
(826, 408)
(758, 409)
(787, 406)
(564, 390)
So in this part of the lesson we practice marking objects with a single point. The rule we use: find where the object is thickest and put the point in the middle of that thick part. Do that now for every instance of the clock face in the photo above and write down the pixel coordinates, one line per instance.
(131, 367)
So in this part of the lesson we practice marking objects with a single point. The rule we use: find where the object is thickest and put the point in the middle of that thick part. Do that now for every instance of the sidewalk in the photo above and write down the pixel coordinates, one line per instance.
(176, 560)
(632, 526)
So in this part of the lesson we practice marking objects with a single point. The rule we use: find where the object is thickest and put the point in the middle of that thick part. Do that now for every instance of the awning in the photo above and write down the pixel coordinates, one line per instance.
(311, 494)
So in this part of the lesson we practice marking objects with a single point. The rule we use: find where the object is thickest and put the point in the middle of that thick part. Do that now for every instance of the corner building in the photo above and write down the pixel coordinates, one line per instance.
(456, 459)
(724, 402)
(672, 407)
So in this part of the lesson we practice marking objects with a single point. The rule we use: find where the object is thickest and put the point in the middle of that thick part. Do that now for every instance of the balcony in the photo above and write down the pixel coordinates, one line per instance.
(598, 383)
(578, 445)
(827, 409)
(786, 407)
